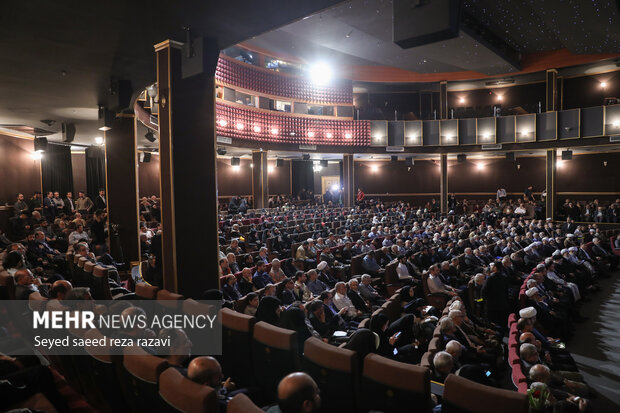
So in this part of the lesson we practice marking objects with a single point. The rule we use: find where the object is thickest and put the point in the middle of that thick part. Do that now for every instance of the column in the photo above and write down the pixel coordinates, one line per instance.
(443, 100)
(260, 180)
(550, 183)
(122, 189)
(348, 182)
(552, 103)
(443, 186)
(187, 148)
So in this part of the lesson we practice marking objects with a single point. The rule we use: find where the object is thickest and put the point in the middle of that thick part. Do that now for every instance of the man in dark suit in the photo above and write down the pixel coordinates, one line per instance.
(356, 298)
(49, 207)
(69, 204)
(601, 254)
(569, 227)
(26, 285)
(495, 291)
(100, 201)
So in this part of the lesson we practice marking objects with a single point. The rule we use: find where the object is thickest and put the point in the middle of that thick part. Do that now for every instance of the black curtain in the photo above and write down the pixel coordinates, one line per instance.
(56, 169)
(95, 171)
(303, 176)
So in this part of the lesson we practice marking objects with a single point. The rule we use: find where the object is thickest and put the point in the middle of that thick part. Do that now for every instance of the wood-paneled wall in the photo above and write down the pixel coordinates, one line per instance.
(18, 171)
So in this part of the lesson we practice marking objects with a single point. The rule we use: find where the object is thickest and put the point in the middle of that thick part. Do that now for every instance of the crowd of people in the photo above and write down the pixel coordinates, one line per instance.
(320, 271)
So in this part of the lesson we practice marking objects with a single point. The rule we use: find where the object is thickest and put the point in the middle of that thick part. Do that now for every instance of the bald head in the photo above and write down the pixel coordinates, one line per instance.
(23, 277)
(527, 338)
(297, 393)
(205, 370)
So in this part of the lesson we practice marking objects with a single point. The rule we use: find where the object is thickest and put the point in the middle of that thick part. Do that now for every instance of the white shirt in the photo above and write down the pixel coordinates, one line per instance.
(402, 271)
(342, 301)
(501, 193)
(435, 285)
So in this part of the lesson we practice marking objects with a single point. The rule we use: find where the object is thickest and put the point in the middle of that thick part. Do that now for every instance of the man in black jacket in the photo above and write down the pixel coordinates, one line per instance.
(355, 297)
(495, 291)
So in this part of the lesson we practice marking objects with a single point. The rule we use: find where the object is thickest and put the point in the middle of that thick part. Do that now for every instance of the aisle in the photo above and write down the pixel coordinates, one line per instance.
(596, 346)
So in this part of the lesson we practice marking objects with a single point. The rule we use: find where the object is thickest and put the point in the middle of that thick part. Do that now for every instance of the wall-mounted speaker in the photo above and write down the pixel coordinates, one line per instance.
(40, 144)
(324, 163)
(510, 156)
(394, 158)
(461, 158)
(279, 162)
(305, 157)
(68, 132)
(235, 161)
(567, 155)
(409, 161)
(119, 94)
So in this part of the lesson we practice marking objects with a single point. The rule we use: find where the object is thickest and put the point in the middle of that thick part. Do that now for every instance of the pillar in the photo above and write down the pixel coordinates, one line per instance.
(443, 100)
(550, 183)
(122, 189)
(260, 180)
(348, 182)
(187, 146)
(443, 186)
(552, 91)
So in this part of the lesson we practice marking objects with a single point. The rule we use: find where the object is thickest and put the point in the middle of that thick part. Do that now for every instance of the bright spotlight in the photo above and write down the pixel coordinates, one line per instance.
(335, 187)
(98, 140)
(347, 135)
(223, 123)
(374, 168)
(311, 134)
(251, 165)
(321, 73)
(500, 97)
(603, 85)
(560, 164)
(616, 123)
(37, 155)
(274, 131)
(480, 167)
(240, 126)
(269, 169)
(329, 135)
(257, 129)
(462, 100)
(236, 168)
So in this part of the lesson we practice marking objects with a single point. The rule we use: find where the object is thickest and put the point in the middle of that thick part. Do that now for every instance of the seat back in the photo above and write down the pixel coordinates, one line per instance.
(242, 404)
(335, 371)
(7, 286)
(274, 355)
(237, 331)
(392, 386)
(140, 378)
(180, 394)
(464, 396)
(146, 291)
(100, 284)
(87, 273)
(169, 301)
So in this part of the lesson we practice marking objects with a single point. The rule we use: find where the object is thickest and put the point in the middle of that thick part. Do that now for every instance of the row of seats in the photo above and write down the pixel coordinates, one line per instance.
(235, 73)
(382, 384)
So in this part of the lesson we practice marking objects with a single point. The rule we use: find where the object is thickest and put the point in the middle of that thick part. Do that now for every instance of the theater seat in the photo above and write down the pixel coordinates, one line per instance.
(464, 396)
(146, 291)
(335, 371)
(242, 404)
(274, 354)
(36, 403)
(237, 331)
(392, 386)
(168, 301)
(140, 378)
(612, 243)
(179, 394)
(437, 300)
(7, 286)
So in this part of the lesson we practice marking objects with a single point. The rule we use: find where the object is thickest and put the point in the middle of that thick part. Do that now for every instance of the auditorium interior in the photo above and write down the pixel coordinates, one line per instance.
(385, 205)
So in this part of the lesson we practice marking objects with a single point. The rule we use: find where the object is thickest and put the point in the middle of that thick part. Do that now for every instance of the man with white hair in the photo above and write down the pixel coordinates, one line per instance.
(443, 365)
(368, 291)
(342, 301)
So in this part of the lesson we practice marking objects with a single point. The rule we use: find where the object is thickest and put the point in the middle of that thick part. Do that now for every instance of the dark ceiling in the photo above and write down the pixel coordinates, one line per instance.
(58, 56)
(360, 32)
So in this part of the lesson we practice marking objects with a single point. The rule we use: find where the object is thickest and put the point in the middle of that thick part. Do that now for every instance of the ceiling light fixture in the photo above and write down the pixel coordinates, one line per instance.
(311, 134)
(37, 155)
(223, 123)
(239, 126)
(347, 135)
(603, 85)
(321, 73)
(329, 135)
(257, 129)
(462, 100)
(274, 131)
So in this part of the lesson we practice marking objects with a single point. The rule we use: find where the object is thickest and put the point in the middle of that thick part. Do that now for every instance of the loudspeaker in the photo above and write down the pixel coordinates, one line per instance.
(221, 151)
(461, 158)
(279, 162)
(235, 161)
(68, 132)
(417, 23)
(324, 163)
(409, 161)
(145, 157)
(394, 158)
(40, 144)
(510, 156)
(120, 94)
(567, 155)
(305, 157)
(106, 117)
